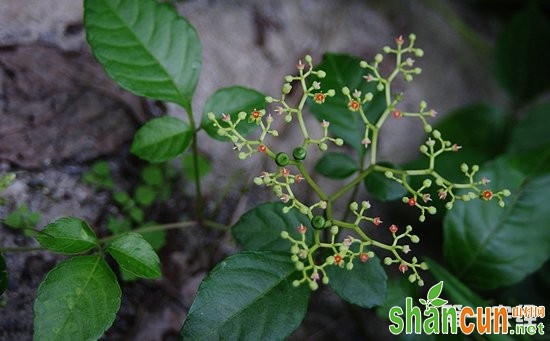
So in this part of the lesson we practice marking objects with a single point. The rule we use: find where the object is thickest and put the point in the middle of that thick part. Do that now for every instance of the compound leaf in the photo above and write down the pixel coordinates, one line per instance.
(489, 246)
(146, 47)
(67, 235)
(248, 296)
(260, 228)
(336, 165)
(365, 285)
(135, 255)
(162, 139)
(78, 300)
(231, 101)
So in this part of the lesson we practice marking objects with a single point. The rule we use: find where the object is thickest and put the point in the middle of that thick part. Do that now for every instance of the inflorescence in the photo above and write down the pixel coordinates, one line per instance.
(312, 260)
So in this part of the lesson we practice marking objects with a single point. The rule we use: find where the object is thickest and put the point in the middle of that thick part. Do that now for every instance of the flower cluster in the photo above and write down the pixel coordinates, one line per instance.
(340, 242)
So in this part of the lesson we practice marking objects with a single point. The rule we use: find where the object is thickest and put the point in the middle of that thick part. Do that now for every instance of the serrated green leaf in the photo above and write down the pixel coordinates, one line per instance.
(343, 70)
(365, 285)
(231, 101)
(381, 187)
(458, 292)
(145, 195)
(135, 255)
(67, 235)
(248, 296)
(146, 47)
(531, 132)
(162, 139)
(435, 291)
(488, 246)
(3, 275)
(260, 228)
(189, 168)
(336, 165)
(78, 300)
(521, 62)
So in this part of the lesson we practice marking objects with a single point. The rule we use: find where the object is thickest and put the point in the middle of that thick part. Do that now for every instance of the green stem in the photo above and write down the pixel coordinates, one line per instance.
(354, 182)
(22, 249)
(312, 183)
(199, 211)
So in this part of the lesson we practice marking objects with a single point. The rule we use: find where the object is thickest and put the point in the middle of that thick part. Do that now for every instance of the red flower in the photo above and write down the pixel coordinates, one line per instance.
(393, 228)
(487, 195)
(319, 98)
(364, 257)
(396, 113)
(411, 202)
(262, 148)
(337, 259)
(353, 105)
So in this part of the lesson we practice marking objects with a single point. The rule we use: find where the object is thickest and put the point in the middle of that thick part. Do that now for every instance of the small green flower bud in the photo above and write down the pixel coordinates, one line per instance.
(345, 91)
(211, 116)
(294, 258)
(423, 266)
(423, 105)
(465, 197)
(321, 74)
(269, 99)
(418, 52)
(349, 266)
(325, 280)
(464, 168)
(286, 88)
(369, 96)
(408, 228)
(334, 229)
(318, 222)
(436, 133)
(370, 254)
(501, 203)
(286, 209)
(412, 37)
(405, 200)
(307, 58)
(363, 64)
(339, 142)
(299, 153)
(427, 183)
(323, 147)
(330, 260)
(288, 118)
(506, 192)
(353, 206)
(386, 49)
(378, 58)
(380, 87)
(408, 77)
(420, 283)
(417, 70)
(242, 115)
(331, 93)
(282, 159)
(388, 174)
(422, 218)
(388, 261)
(432, 210)
(412, 278)
(284, 234)
(449, 205)
(427, 128)
(414, 260)
(274, 133)
(414, 239)
(475, 168)
(294, 249)
(288, 78)
(299, 266)
(303, 210)
(472, 195)
(221, 132)
(423, 149)
(313, 285)
(365, 204)
(296, 283)
(430, 143)
(258, 181)
(242, 155)
(439, 181)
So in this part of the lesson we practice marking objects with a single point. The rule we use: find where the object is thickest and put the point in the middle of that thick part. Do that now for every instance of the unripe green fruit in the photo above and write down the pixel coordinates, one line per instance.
(313, 285)
(325, 280)
(282, 159)
(318, 222)
(299, 153)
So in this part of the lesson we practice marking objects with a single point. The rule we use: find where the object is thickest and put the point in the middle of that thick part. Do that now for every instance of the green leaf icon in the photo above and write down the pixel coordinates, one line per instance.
(435, 291)
(438, 302)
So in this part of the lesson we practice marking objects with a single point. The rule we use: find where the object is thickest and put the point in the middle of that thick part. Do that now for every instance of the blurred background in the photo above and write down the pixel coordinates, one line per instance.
(66, 129)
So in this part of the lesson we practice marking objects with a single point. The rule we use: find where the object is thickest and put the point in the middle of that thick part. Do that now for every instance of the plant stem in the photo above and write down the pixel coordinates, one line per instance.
(199, 212)
(22, 249)
(312, 183)
(354, 182)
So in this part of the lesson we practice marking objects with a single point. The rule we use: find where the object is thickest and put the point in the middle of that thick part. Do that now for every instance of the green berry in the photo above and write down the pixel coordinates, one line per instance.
(318, 222)
(345, 91)
(378, 58)
(339, 142)
(432, 210)
(299, 153)
(286, 88)
(308, 58)
(414, 239)
(353, 206)
(331, 93)
(419, 52)
(325, 280)
(412, 278)
(321, 74)
(294, 249)
(363, 64)
(284, 234)
(296, 283)
(449, 205)
(258, 181)
(323, 147)
(294, 258)
(423, 266)
(388, 261)
(386, 49)
(506, 192)
(334, 229)
(349, 266)
(242, 115)
(436, 133)
(299, 266)
(282, 159)
(427, 183)
(380, 87)
(422, 218)
(313, 285)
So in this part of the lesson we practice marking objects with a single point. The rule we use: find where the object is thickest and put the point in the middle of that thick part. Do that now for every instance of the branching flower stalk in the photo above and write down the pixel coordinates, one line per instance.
(312, 260)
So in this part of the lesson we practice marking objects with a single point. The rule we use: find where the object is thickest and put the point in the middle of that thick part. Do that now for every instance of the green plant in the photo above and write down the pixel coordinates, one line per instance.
(291, 246)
